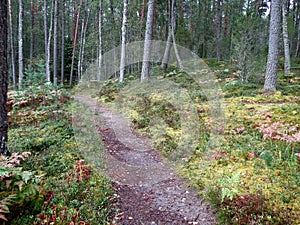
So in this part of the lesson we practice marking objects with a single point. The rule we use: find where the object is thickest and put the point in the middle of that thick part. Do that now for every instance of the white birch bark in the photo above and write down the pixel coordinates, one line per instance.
(62, 66)
(287, 60)
(123, 46)
(147, 46)
(100, 41)
(20, 44)
(48, 75)
(55, 38)
(179, 62)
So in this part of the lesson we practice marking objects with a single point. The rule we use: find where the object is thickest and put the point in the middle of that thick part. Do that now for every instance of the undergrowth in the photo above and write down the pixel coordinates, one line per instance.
(253, 175)
(47, 180)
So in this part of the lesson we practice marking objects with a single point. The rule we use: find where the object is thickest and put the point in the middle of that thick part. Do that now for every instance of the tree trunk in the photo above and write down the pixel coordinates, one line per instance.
(297, 54)
(55, 39)
(62, 66)
(274, 36)
(74, 44)
(179, 62)
(219, 28)
(287, 60)
(3, 79)
(123, 46)
(32, 30)
(165, 61)
(100, 41)
(83, 43)
(12, 45)
(48, 74)
(20, 45)
(148, 37)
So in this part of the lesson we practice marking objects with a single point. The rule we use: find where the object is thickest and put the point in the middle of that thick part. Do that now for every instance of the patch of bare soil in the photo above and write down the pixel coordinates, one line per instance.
(147, 189)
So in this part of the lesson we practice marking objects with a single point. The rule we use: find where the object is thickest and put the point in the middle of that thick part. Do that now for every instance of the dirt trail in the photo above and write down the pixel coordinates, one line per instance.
(148, 192)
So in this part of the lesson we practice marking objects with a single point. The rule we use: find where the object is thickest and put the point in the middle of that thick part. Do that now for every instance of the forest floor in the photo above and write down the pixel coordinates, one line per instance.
(147, 190)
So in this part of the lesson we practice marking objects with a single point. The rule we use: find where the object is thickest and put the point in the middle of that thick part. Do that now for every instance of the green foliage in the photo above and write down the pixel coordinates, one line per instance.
(70, 191)
(18, 187)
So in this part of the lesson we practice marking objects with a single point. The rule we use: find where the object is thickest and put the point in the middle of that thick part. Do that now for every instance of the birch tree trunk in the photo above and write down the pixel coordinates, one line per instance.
(297, 54)
(3, 79)
(274, 36)
(75, 44)
(100, 40)
(55, 39)
(48, 74)
(147, 46)
(123, 46)
(47, 56)
(62, 66)
(179, 62)
(20, 44)
(83, 43)
(12, 45)
(32, 31)
(287, 60)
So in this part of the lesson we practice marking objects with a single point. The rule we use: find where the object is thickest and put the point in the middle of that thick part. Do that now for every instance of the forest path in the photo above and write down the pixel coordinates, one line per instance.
(147, 190)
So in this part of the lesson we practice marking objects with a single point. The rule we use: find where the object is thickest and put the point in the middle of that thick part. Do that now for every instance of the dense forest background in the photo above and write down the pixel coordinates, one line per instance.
(63, 37)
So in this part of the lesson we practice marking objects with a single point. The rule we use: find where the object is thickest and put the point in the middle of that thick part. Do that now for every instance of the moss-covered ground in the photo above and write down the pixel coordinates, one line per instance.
(253, 177)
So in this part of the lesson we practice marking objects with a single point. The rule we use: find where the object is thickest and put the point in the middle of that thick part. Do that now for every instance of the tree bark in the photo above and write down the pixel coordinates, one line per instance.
(179, 62)
(147, 46)
(123, 46)
(274, 36)
(20, 44)
(3, 79)
(48, 74)
(166, 57)
(32, 30)
(100, 40)
(12, 45)
(219, 28)
(75, 44)
(55, 40)
(62, 66)
(287, 60)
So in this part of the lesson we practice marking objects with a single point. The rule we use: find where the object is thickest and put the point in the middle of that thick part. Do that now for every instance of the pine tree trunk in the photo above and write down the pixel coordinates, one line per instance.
(123, 46)
(287, 60)
(3, 79)
(100, 41)
(147, 46)
(297, 54)
(20, 44)
(62, 66)
(219, 29)
(274, 36)
(12, 45)
(55, 40)
(32, 30)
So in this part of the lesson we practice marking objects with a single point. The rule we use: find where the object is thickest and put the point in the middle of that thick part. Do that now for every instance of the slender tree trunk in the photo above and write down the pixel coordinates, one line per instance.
(55, 40)
(20, 44)
(287, 60)
(48, 74)
(148, 37)
(80, 50)
(179, 62)
(62, 66)
(274, 36)
(32, 30)
(83, 43)
(297, 54)
(123, 46)
(3, 79)
(74, 44)
(219, 28)
(100, 40)
(12, 45)
(166, 57)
